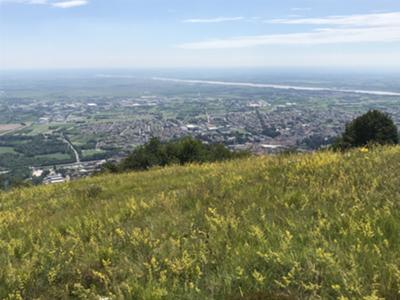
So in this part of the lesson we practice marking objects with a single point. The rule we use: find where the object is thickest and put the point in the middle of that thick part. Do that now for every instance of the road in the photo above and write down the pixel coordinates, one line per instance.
(78, 160)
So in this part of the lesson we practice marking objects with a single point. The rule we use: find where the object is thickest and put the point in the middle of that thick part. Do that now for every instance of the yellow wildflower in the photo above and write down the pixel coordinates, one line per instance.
(258, 277)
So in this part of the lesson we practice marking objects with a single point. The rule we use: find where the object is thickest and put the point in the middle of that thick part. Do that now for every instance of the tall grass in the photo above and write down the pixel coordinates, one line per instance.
(312, 226)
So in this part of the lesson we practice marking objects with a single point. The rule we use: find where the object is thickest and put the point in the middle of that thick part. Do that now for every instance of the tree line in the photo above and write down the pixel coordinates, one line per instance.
(181, 151)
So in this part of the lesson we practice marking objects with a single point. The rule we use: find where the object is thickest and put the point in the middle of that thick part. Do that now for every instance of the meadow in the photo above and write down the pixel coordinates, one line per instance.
(296, 226)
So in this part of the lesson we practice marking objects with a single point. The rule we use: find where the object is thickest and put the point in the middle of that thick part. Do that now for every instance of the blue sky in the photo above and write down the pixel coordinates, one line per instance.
(42, 34)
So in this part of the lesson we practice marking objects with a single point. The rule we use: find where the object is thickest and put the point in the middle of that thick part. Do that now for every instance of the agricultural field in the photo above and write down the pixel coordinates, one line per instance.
(8, 128)
(4, 150)
(58, 156)
(294, 226)
(33, 150)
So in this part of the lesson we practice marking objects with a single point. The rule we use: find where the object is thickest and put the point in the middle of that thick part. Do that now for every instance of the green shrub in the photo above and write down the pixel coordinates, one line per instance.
(374, 127)
(181, 151)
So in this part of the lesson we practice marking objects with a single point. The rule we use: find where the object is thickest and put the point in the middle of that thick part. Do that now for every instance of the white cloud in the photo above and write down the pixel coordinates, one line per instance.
(214, 20)
(24, 1)
(59, 4)
(382, 19)
(301, 8)
(368, 28)
(70, 4)
(319, 36)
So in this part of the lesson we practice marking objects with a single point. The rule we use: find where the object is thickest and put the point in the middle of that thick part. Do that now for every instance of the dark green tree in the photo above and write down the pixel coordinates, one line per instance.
(191, 150)
(181, 151)
(374, 127)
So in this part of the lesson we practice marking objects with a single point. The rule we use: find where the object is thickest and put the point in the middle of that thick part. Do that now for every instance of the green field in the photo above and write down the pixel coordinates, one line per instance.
(312, 226)
(36, 129)
(54, 156)
(88, 153)
(4, 150)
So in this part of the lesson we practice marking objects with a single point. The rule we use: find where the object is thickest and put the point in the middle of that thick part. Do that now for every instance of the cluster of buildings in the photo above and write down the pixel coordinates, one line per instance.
(267, 128)
(67, 172)
(242, 122)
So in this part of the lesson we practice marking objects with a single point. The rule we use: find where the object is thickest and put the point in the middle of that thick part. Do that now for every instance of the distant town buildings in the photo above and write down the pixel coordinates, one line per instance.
(261, 121)
(55, 178)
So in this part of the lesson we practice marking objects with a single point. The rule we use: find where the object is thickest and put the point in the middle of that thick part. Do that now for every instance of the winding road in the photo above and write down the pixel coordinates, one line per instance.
(78, 160)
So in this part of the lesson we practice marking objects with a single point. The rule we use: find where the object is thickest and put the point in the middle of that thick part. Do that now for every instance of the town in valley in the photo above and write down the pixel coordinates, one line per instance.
(57, 129)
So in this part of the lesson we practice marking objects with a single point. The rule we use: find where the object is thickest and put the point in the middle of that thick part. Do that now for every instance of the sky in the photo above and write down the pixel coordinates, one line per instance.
(55, 34)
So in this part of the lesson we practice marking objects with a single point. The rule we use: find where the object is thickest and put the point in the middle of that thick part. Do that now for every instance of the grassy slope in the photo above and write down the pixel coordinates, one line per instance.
(308, 226)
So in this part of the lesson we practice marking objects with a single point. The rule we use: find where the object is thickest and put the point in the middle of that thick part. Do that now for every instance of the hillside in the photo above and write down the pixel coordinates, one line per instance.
(312, 226)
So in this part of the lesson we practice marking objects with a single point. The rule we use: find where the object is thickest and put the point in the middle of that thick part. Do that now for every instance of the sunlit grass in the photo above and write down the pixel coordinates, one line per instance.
(313, 226)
